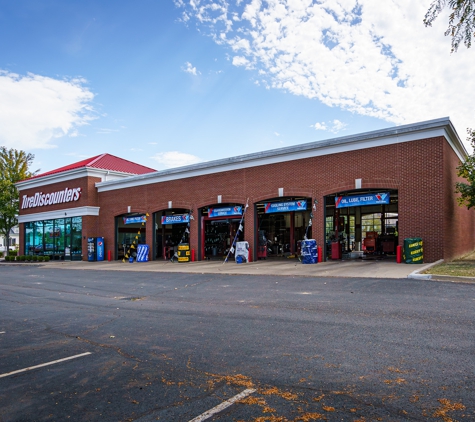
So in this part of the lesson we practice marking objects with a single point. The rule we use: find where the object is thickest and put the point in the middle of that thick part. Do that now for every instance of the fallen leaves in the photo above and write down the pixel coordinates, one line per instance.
(396, 381)
(307, 417)
(447, 406)
(276, 392)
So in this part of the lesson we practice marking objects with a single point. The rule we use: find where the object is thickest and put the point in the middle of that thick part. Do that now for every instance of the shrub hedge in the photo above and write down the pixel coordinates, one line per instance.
(27, 258)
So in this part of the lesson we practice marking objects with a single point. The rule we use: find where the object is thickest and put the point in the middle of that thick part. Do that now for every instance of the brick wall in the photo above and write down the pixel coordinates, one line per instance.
(416, 169)
(422, 171)
(459, 222)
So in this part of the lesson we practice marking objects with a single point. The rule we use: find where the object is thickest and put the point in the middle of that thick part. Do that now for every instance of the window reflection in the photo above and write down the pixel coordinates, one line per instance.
(60, 239)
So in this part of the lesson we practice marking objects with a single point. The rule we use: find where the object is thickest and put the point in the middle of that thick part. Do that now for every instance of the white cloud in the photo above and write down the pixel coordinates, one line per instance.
(35, 110)
(240, 61)
(189, 68)
(333, 126)
(172, 159)
(337, 126)
(369, 57)
(320, 126)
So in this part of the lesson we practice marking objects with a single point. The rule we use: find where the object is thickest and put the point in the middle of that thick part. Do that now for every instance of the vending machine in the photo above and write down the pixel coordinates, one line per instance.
(95, 249)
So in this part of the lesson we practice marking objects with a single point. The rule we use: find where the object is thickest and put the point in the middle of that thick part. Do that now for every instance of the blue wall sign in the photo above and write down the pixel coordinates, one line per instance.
(360, 200)
(225, 212)
(100, 248)
(175, 219)
(134, 220)
(285, 206)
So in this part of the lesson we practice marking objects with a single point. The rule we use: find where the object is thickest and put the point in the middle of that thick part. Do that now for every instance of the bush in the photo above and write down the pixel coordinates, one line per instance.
(13, 253)
(47, 258)
(34, 258)
(1, 254)
(7, 258)
(17, 258)
(28, 258)
(41, 258)
(22, 258)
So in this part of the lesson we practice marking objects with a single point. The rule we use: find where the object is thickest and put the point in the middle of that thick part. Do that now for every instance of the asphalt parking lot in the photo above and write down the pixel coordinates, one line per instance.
(174, 346)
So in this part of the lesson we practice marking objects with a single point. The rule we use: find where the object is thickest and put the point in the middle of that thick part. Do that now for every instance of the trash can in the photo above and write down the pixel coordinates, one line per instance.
(184, 253)
(309, 251)
(241, 254)
(413, 252)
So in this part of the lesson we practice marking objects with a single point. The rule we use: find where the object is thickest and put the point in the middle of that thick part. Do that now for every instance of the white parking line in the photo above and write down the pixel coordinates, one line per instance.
(224, 405)
(2, 332)
(43, 364)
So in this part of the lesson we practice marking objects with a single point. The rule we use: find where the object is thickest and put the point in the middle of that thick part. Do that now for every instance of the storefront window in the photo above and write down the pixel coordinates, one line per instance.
(76, 238)
(374, 222)
(54, 238)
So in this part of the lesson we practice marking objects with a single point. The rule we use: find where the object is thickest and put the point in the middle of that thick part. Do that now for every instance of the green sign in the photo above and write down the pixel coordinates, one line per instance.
(413, 251)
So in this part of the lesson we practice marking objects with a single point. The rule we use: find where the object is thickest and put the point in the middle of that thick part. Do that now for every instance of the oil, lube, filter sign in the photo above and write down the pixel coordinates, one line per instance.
(413, 251)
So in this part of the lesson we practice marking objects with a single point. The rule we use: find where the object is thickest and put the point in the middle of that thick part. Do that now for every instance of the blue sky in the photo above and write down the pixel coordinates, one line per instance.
(166, 83)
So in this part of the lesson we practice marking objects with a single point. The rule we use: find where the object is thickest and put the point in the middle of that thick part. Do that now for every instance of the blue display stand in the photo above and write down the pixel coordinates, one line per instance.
(142, 253)
(309, 251)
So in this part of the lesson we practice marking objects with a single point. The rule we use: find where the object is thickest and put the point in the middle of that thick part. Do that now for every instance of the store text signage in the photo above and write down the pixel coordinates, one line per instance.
(286, 206)
(359, 200)
(175, 219)
(133, 220)
(224, 212)
(40, 199)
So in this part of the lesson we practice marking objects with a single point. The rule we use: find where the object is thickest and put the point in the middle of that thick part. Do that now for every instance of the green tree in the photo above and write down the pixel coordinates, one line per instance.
(14, 167)
(467, 171)
(461, 20)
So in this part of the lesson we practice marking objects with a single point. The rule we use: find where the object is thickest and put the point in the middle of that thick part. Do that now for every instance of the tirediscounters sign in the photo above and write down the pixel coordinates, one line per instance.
(41, 199)
(360, 200)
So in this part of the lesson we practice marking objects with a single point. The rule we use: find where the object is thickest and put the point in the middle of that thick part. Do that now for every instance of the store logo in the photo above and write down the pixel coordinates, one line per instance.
(41, 199)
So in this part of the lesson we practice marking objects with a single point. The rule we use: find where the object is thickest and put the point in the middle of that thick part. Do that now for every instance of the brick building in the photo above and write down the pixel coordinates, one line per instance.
(387, 185)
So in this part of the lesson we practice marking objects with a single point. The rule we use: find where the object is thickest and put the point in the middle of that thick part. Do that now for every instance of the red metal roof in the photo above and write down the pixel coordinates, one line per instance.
(103, 162)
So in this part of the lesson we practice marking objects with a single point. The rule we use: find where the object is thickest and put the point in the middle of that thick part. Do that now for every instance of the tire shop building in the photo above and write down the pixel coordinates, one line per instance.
(357, 196)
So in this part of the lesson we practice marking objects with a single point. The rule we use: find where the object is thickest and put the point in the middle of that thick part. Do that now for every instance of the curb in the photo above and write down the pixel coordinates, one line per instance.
(417, 273)
(438, 277)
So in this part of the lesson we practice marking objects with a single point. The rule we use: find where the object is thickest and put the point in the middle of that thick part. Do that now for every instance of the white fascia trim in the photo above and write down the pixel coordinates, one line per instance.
(424, 130)
(66, 212)
(40, 182)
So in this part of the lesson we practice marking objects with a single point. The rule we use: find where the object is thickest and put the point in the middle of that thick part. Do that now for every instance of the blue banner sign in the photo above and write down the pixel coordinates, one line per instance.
(134, 220)
(286, 206)
(225, 212)
(175, 219)
(360, 200)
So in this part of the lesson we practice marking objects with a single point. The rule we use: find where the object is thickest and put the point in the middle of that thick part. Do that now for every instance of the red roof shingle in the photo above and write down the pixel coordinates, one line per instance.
(103, 162)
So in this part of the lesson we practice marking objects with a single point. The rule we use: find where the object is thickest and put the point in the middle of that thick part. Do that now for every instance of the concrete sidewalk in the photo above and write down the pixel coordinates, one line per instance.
(290, 267)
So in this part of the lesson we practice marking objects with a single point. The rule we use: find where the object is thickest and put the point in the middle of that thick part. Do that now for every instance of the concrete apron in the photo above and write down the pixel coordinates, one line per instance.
(284, 267)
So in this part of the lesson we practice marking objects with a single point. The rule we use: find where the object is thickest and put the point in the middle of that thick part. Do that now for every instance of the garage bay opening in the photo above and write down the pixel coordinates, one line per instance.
(361, 224)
